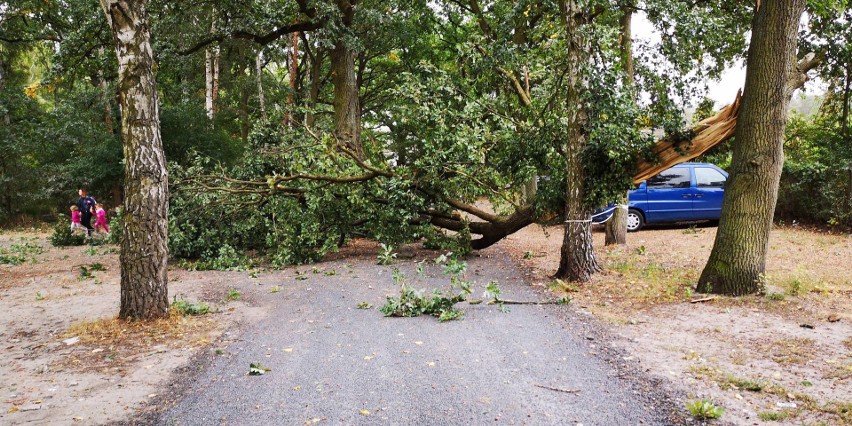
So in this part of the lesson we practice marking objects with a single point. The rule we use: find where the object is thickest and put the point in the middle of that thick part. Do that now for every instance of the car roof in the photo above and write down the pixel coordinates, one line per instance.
(689, 164)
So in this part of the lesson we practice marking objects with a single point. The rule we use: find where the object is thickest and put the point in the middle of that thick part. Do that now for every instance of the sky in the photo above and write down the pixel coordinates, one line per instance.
(722, 91)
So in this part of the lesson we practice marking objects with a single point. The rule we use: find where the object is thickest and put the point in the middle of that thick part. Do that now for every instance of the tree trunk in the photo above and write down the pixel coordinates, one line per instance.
(316, 68)
(258, 68)
(144, 248)
(616, 227)
(294, 68)
(738, 258)
(347, 103)
(577, 261)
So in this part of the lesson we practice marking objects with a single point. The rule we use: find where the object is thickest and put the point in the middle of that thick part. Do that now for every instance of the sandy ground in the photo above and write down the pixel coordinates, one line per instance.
(782, 358)
(44, 380)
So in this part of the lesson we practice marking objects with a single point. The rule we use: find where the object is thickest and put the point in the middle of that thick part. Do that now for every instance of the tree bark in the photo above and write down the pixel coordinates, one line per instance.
(577, 261)
(211, 74)
(738, 258)
(616, 227)
(347, 102)
(316, 68)
(144, 248)
(258, 68)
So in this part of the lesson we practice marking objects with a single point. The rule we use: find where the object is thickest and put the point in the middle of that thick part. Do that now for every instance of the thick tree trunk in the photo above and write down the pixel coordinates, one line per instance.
(144, 248)
(347, 102)
(577, 261)
(738, 258)
(616, 227)
(258, 69)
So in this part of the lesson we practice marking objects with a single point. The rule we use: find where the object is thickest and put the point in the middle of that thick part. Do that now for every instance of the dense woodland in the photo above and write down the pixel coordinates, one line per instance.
(291, 126)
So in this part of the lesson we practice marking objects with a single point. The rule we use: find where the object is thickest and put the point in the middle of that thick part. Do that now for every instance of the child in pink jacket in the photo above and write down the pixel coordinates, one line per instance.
(76, 216)
(101, 223)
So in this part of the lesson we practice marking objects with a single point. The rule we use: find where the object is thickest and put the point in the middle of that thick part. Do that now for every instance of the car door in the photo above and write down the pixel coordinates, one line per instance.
(669, 196)
(709, 191)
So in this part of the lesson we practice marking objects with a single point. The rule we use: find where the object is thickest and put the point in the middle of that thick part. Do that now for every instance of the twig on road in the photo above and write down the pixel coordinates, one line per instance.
(571, 391)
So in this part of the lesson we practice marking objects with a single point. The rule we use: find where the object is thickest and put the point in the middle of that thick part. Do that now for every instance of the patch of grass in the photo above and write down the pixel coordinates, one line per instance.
(558, 285)
(693, 230)
(114, 331)
(848, 343)
(841, 372)
(232, 295)
(790, 351)
(749, 385)
(652, 282)
(775, 296)
(772, 416)
(842, 410)
(703, 409)
(187, 308)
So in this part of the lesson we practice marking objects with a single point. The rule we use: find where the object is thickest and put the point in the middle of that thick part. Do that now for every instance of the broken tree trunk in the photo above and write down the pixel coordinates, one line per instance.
(708, 133)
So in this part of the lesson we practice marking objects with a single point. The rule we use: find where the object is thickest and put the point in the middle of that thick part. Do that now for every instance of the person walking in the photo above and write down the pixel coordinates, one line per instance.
(101, 222)
(86, 204)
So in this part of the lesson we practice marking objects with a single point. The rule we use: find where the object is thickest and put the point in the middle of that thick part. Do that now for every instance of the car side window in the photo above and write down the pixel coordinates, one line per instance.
(709, 178)
(671, 178)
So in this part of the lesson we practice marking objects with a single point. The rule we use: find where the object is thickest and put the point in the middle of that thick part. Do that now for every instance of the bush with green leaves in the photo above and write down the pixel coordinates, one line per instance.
(187, 308)
(413, 303)
(816, 181)
(62, 235)
(703, 409)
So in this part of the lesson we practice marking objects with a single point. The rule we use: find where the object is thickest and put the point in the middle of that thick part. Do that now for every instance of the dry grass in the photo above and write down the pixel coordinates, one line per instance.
(111, 331)
(112, 343)
(790, 351)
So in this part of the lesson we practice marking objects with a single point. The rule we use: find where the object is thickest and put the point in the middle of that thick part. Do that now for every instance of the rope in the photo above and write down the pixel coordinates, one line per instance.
(609, 210)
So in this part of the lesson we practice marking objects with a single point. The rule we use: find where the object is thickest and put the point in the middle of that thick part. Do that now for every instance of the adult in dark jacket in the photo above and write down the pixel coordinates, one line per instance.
(86, 204)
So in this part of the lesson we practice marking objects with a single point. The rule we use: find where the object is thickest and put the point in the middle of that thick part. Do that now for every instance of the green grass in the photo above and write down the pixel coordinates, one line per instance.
(772, 416)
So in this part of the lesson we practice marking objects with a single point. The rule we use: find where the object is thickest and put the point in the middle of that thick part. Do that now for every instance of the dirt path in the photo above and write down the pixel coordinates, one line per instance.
(332, 363)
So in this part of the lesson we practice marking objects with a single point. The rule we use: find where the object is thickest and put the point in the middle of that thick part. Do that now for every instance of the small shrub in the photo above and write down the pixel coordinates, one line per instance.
(233, 294)
(704, 409)
(187, 308)
(63, 237)
(386, 255)
(116, 228)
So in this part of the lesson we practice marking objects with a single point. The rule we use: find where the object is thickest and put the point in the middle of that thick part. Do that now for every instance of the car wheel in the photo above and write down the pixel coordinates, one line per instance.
(635, 220)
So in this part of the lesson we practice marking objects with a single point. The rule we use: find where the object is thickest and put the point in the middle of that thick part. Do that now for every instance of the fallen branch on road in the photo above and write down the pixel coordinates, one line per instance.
(571, 391)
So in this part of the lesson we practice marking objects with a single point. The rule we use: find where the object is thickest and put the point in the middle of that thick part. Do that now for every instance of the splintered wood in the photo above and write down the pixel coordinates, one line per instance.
(708, 133)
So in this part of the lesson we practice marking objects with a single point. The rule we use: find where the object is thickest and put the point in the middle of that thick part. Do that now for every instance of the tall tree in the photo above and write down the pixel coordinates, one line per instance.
(144, 250)
(577, 261)
(738, 257)
(616, 227)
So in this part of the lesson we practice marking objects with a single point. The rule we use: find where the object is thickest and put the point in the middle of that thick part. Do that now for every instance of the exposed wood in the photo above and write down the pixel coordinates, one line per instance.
(708, 133)
(713, 130)
(704, 299)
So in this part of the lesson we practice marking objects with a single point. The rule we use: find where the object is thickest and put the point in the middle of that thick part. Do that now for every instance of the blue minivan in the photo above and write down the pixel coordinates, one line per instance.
(685, 192)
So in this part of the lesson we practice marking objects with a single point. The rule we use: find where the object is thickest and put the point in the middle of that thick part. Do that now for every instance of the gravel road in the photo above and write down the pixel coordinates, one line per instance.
(332, 363)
